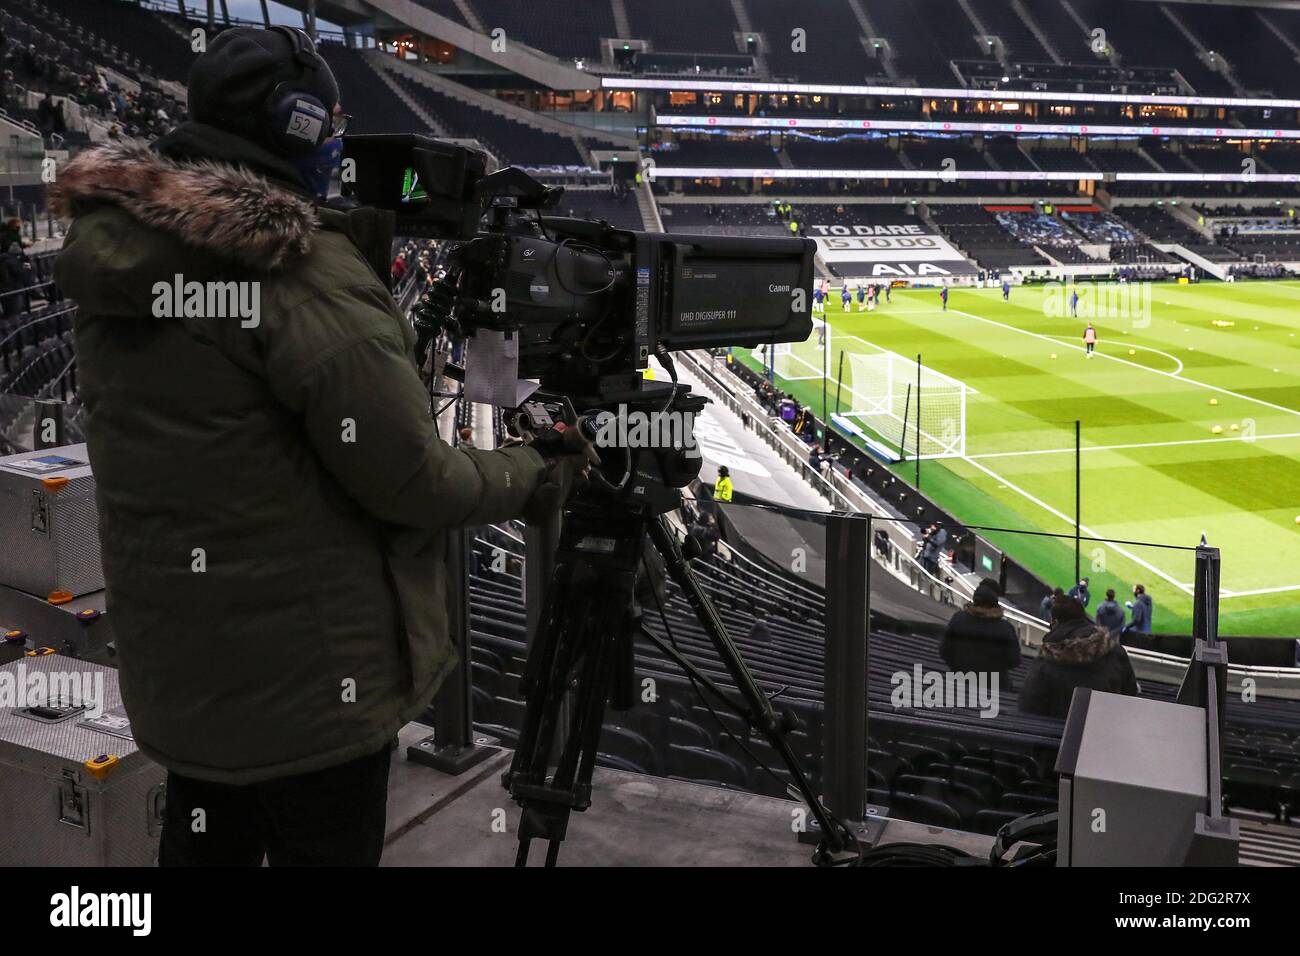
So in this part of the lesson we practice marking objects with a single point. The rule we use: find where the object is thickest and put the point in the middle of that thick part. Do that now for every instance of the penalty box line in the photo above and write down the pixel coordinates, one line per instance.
(1142, 444)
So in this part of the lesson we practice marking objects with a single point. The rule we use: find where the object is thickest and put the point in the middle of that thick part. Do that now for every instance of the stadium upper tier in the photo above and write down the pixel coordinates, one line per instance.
(1089, 45)
(915, 163)
(123, 36)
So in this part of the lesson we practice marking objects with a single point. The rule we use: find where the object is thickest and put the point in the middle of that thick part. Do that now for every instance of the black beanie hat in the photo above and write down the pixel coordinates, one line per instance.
(230, 82)
(986, 594)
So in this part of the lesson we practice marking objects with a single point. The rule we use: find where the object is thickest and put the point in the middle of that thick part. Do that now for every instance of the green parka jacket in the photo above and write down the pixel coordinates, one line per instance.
(273, 495)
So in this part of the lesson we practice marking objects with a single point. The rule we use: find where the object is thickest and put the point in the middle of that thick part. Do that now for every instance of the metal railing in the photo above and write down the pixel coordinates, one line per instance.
(755, 418)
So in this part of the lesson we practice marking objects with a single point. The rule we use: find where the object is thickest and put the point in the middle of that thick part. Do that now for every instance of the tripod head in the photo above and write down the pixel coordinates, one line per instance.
(644, 436)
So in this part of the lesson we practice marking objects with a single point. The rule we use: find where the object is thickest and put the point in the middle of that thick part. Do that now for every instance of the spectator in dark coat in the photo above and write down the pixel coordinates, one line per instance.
(45, 114)
(13, 276)
(1139, 611)
(932, 547)
(1110, 615)
(1045, 608)
(704, 502)
(979, 638)
(1074, 653)
(11, 232)
(1081, 593)
(705, 531)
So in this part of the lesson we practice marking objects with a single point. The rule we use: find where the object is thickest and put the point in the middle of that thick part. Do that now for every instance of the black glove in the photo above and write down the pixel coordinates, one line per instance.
(569, 455)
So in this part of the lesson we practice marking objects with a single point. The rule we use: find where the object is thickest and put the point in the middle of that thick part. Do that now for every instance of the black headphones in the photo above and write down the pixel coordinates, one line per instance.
(298, 122)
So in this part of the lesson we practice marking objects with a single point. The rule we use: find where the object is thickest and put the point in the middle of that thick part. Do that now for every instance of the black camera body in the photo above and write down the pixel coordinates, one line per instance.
(589, 303)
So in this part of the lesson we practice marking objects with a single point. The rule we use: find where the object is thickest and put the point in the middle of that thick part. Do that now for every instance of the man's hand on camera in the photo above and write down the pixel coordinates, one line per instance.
(569, 456)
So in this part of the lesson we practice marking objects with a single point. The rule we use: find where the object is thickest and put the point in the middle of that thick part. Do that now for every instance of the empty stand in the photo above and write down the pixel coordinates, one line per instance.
(1006, 155)
(932, 154)
(1001, 20)
(833, 51)
(1145, 36)
(718, 151)
(510, 141)
(363, 94)
(620, 210)
(732, 219)
(848, 153)
(128, 28)
(1120, 161)
(1069, 42)
(572, 29)
(1239, 34)
(685, 26)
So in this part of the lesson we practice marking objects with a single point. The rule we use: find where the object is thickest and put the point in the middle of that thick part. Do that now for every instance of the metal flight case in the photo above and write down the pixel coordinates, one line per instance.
(74, 788)
(49, 523)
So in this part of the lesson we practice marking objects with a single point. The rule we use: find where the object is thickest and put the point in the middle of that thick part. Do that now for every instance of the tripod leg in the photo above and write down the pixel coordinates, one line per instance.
(549, 661)
(588, 610)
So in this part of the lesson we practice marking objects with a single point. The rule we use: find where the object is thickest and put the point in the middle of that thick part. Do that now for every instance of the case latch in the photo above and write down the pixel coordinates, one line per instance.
(74, 809)
(40, 513)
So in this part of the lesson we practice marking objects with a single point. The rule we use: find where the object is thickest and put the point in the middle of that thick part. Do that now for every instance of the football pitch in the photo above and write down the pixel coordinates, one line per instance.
(1190, 413)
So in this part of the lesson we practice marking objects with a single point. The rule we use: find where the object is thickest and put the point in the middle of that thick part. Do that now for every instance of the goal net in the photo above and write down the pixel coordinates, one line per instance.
(884, 391)
(802, 360)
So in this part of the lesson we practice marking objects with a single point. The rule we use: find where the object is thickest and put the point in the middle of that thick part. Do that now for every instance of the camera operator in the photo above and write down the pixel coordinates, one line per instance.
(273, 493)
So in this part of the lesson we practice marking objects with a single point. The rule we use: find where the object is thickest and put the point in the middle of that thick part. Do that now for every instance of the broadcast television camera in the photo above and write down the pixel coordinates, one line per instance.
(589, 303)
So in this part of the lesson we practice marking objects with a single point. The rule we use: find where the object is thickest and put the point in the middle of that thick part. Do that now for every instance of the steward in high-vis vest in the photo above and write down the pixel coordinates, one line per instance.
(722, 487)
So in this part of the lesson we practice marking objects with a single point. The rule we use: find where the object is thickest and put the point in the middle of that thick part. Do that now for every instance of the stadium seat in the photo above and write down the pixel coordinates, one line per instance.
(964, 799)
(922, 757)
(983, 782)
(629, 745)
(688, 733)
(1026, 802)
(486, 677)
(990, 821)
(888, 765)
(697, 763)
(925, 810)
(615, 762)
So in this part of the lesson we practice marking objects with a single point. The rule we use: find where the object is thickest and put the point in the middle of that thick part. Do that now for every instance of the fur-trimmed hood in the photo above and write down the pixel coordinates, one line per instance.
(1077, 642)
(213, 207)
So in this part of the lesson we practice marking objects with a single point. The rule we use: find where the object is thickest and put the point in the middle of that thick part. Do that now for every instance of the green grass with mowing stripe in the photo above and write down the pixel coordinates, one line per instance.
(1153, 469)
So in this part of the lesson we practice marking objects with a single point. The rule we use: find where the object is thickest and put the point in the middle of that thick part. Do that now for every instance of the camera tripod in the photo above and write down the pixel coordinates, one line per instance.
(582, 653)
